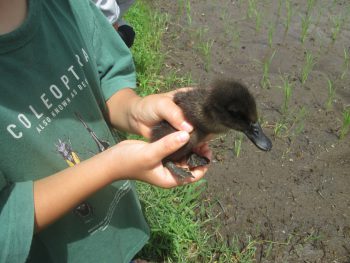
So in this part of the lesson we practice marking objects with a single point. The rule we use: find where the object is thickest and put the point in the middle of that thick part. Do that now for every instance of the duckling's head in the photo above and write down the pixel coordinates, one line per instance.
(231, 104)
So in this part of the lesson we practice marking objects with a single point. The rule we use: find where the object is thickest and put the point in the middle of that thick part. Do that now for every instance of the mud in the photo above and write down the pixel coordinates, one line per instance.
(295, 200)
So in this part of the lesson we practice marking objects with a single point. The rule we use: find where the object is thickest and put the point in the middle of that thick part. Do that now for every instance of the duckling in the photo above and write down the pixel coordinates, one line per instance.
(226, 105)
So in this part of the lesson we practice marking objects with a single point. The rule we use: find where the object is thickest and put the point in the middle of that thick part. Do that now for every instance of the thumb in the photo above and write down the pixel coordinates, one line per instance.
(174, 115)
(168, 144)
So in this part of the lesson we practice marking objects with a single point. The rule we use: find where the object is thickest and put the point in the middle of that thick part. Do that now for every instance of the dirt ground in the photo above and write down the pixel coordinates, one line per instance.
(295, 199)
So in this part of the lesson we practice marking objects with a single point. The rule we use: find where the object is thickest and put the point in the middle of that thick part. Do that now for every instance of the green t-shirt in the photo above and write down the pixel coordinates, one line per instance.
(56, 72)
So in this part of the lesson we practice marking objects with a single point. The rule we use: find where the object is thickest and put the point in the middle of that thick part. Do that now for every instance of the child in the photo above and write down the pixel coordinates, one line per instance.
(66, 82)
(114, 11)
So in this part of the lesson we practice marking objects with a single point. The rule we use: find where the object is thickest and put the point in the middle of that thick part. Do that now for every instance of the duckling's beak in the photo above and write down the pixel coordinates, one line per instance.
(257, 136)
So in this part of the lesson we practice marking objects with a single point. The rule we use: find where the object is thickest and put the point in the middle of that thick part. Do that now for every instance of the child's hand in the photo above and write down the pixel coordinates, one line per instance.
(150, 110)
(138, 160)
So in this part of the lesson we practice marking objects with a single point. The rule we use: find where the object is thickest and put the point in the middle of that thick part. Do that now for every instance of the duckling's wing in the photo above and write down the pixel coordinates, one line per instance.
(160, 130)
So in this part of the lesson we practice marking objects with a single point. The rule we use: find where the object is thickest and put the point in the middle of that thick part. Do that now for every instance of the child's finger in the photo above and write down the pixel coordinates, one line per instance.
(174, 115)
(168, 144)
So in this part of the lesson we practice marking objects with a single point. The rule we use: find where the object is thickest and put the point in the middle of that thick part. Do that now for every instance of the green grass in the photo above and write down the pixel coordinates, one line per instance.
(181, 221)
(146, 50)
(176, 233)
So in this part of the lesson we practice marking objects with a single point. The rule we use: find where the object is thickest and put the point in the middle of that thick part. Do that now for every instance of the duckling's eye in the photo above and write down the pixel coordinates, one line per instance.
(238, 115)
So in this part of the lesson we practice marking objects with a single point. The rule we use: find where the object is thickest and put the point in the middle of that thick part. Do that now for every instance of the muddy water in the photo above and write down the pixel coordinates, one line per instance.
(297, 195)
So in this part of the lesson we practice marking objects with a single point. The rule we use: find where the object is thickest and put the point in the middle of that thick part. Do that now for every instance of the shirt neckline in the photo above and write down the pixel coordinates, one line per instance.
(24, 33)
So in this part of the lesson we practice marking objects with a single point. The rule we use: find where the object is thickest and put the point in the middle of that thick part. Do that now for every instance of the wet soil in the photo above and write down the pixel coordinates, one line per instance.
(295, 199)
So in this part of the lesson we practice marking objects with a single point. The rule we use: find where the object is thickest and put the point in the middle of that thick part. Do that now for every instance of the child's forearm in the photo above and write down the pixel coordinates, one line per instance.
(120, 110)
(57, 194)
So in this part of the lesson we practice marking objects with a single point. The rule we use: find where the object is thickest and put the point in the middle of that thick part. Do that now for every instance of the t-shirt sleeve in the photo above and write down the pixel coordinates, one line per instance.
(113, 58)
(16, 220)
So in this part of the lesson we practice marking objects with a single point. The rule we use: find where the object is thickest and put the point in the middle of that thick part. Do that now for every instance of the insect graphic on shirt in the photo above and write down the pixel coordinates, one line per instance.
(66, 151)
(84, 209)
(101, 144)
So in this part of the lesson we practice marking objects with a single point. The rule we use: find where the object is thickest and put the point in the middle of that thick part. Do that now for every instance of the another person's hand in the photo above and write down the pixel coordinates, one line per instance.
(138, 160)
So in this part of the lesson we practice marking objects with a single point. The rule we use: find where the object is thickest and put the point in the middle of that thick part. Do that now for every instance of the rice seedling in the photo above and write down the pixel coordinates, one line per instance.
(265, 81)
(346, 63)
(173, 80)
(280, 128)
(201, 32)
(257, 21)
(289, 11)
(233, 36)
(224, 14)
(188, 12)
(346, 123)
(337, 24)
(180, 7)
(305, 24)
(238, 144)
(279, 8)
(310, 6)
(252, 10)
(205, 49)
(308, 66)
(291, 124)
(312, 236)
(331, 94)
(287, 91)
(299, 121)
(271, 32)
(236, 36)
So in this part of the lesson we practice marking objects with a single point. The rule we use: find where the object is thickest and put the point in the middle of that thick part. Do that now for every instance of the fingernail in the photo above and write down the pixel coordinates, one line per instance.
(186, 126)
(183, 136)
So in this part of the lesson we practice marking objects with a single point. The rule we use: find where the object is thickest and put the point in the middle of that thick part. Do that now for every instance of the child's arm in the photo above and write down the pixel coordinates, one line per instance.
(134, 160)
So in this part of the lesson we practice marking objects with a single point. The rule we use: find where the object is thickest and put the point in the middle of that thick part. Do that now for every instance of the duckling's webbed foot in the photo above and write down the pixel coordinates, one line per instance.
(178, 171)
(194, 160)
